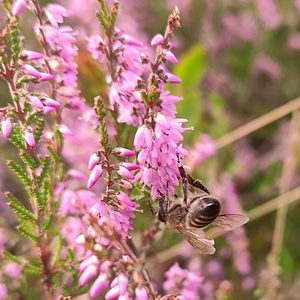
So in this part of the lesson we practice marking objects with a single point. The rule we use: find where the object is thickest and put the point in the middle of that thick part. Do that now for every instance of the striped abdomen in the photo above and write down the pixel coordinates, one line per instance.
(203, 210)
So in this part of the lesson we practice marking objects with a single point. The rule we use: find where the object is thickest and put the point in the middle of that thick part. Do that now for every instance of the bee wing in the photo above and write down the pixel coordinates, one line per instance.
(205, 246)
(230, 221)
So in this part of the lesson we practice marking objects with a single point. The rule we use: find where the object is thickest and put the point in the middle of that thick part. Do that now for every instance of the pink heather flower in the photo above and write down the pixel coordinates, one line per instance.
(131, 41)
(172, 78)
(141, 294)
(29, 138)
(93, 161)
(95, 175)
(143, 137)
(3, 292)
(158, 39)
(12, 270)
(91, 260)
(88, 274)
(65, 130)
(171, 57)
(18, 7)
(6, 127)
(35, 102)
(99, 285)
(268, 66)
(31, 55)
(123, 284)
(203, 149)
(48, 109)
(45, 77)
(113, 293)
(96, 47)
(125, 173)
(50, 102)
(30, 70)
(123, 152)
(188, 283)
(76, 174)
(268, 12)
(130, 166)
(55, 14)
(125, 184)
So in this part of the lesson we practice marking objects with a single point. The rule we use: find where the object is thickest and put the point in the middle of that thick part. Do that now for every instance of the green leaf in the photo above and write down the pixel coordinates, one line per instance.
(32, 269)
(26, 233)
(19, 209)
(28, 161)
(16, 138)
(39, 129)
(15, 38)
(10, 257)
(45, 173)
(55, 250)
(22, 174)
(190, 69)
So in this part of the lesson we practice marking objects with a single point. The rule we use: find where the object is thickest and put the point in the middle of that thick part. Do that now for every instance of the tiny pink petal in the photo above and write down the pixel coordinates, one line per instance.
(51, 102)
(171, 57)
(18, 7)
(95, 175)
(172, 78)
(30, 70)
(130, 166)
(88, 274)
(123, 284)
(35, 102)
(93, 161)
(141, 294)
(46, 77)
(158, 39)
(48, 109)
(125, 173)
(31, 55)
(29, 138)
(125, 184)
(99, 285)
(113, 293)
(123, 152)
(6, 127)
(88, 261)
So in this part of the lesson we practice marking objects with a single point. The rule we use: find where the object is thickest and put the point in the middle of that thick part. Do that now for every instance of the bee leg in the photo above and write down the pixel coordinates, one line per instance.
(184, 179)
(198, 184)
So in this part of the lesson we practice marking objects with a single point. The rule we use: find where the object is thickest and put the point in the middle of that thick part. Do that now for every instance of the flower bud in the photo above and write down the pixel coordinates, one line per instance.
(173, 78)
(125, 173)
(130, 166)
(18, 7)
(30, 70)
(95, 175)
(88, 274)
(171, 57)
(31, 55)
(123, 284)
(143, 137)
(99, 285)
(6, 127)
(46, 77)
(93, 161)
(123, 152)
(158, 39)
(131, 41)
(35, 102)
(141, 294)
(50, 102)
(125, 184)
(92, 260)
(123, 198)
(113, 293)
(29, 138)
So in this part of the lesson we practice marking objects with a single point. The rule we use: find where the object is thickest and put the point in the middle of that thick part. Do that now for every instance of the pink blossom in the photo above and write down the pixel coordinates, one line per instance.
(29, 138)
(268, 66)
(88, 274)
(99, 285)
(123, 152)
(268, 12)
(93, 161)
(95, 175)
(31, 55)
(30, 70)
(113, 293)
(125, 173)
(50, 102)
(172, 78)
(141, 293)
(3, 292)
(18, 7)
(125, 184)
(55, 14)
(65, 130)
(12, 270)
(35, 102)
(6, 127)
(171, 57)
(158, 39)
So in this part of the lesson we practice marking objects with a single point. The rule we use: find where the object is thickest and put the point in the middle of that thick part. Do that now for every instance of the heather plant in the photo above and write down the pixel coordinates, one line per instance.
(102, 107)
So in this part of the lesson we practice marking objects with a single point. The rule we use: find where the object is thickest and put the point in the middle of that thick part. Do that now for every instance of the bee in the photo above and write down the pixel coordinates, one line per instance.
(196, 212)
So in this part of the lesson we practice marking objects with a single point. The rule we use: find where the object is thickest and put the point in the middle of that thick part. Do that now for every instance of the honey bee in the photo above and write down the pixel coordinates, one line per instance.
(196, 212)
